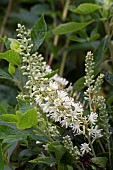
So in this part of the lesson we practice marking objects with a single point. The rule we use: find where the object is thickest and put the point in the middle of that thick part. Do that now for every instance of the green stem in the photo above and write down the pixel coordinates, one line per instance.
(103, 150)
(78, 167)
(56, 38)
(91, 146)
(63, 61)
(21, 81)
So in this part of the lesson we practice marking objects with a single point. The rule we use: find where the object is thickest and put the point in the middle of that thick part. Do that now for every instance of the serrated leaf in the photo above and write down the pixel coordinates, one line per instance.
(70, 27)
(85, 8)
(5, 75)
(108, 77)
(38, 33)
(11, 56)
(11, 69)
(9, 118)
(23, 106)
(12, 134)
(79, 84)
(57, 148)
(100, 161)
(100, 51)
(49, 75)
(1, 158)
(28, 119)
(44, 160)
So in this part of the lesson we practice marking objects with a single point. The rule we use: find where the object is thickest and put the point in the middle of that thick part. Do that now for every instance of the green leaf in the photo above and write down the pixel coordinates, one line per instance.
(2, 110)
(11, 69)
(85, 8)
(57, 148)
(1, 158)
(108, 77)
(23, 106)
(44, 160)
(51, 74)
(9, 118)
(79, 84)
(5, 75)
(11, 56)
(76, 38)
(100, 51)
(70, 27)
(70, 167)
(62, 166)
(12, 134)
(100, 161)
(38, 33)
(94, 37)
(28, 119)
(15, 45)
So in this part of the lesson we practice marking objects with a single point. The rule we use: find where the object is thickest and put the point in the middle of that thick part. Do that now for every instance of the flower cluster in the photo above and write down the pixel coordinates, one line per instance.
(49, 93)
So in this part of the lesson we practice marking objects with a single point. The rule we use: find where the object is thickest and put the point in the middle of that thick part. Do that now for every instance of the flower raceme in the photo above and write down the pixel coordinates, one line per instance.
(51, 96)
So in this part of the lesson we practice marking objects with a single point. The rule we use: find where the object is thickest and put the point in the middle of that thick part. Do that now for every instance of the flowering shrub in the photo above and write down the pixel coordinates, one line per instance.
(48, 113)
(50, 128)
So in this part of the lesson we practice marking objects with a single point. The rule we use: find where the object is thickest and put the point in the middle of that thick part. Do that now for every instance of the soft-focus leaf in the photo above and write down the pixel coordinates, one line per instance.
(2, 110)
(57, 148)
(44, 160)
(9, 118)
(79, 84)
(1, 158)
(39, 9)
(76, 38)
(38, 33)
(28, 119)
(62, 166)
(12, 134)
(5, 75)
(51, 74)
(11, 69)
(11, 56)
(70, 167)
(108, 77)
(100, 51)
(100, 161)
(85, 8)
(70, 27)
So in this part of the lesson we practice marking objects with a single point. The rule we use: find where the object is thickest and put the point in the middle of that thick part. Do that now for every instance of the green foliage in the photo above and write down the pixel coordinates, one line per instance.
(27, 120)
(73, 27)
(101, 161)
(5, 75)
(1, 158)
(85, 8)
(11, 56)
(70, 27)
(51, 74)
(38, 33)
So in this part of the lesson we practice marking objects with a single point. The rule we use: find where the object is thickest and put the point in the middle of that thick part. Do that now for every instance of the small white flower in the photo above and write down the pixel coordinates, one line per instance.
(75, 127)
(95, 132)
(60, 80)
(52, 86)
(85, 148)
(93, 117)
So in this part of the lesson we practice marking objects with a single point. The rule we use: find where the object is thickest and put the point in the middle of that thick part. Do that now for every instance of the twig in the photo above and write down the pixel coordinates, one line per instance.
(5, 21)
(56, 38)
